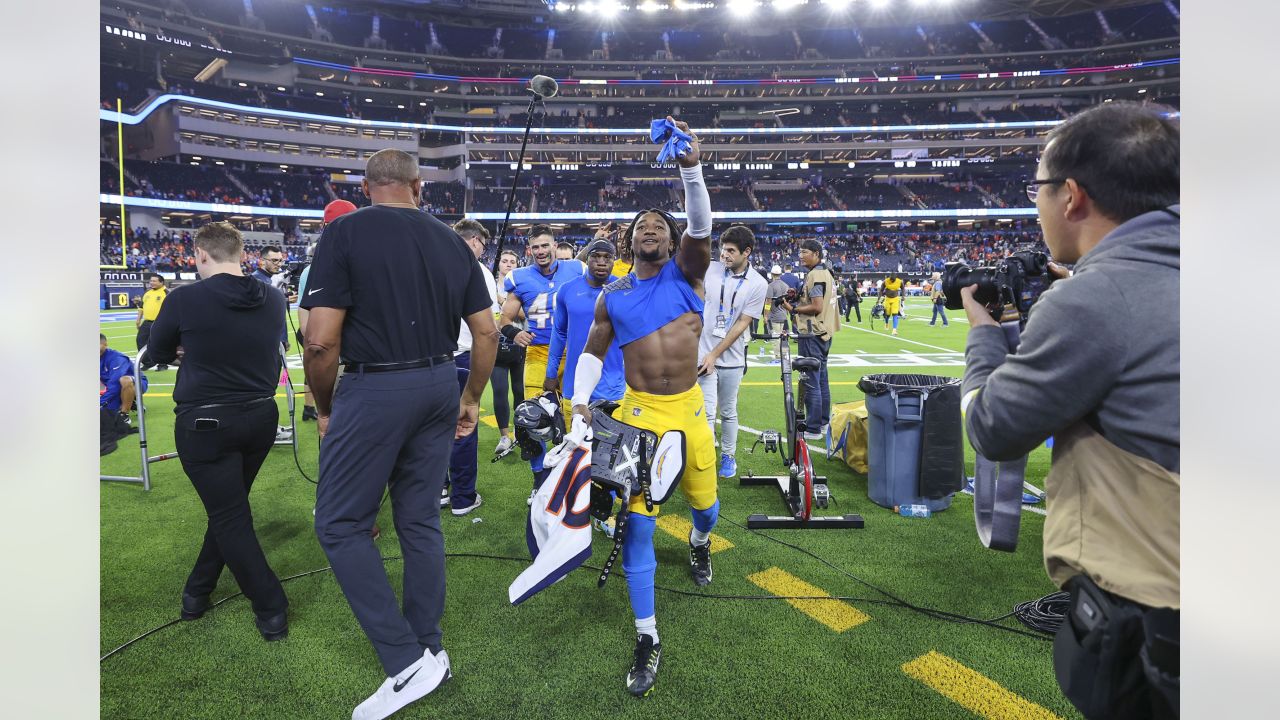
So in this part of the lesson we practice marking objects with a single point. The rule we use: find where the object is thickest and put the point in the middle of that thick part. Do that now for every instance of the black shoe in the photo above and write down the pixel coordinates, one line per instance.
(308, 413)
(644, 669)
(193, 607)
(161, 368)
(700, 563)
(273, 628)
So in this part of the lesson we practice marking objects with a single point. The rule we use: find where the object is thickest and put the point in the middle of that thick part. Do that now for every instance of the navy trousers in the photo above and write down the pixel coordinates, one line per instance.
(817, 390)
(392, 428)
(464, 459)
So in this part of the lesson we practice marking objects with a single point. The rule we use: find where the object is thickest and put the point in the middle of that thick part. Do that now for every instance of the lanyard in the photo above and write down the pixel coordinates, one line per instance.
(732, 298)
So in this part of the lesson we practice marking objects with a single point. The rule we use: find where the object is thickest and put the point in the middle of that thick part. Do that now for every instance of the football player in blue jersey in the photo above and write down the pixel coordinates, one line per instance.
(654, 313)
(533, 289)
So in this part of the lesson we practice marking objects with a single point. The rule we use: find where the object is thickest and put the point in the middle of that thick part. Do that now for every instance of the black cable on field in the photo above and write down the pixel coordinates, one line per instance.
(1046, 614)
(1038, 611)
(934, 613)
(293, 419)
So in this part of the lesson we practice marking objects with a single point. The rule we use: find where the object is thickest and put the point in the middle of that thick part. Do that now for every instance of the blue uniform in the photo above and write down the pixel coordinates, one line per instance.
(636, 309)
(537, 294)
(639, 307)
(112, 366)
(575, 304)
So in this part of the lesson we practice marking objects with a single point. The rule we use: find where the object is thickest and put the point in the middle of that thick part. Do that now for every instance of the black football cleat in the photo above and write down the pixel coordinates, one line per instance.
(644, 669)
(700, 563)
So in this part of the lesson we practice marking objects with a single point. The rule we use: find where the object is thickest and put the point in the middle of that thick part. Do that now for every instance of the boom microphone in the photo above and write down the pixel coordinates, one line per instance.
(543, 86)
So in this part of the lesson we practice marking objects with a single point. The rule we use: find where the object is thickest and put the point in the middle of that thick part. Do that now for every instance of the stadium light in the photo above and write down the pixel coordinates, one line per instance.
(742, 8)
(879, 4)
(319, 94)
(837, 4)
(648, 6)
(785, 5)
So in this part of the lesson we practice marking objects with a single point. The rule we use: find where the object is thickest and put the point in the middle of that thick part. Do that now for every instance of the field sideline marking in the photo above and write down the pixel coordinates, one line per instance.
(835, 614)
(972, 690)
(901, 339)
(678, 527)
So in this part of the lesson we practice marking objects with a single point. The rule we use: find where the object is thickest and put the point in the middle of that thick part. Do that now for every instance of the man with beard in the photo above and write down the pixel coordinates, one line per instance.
(655, 315)
(533, 289)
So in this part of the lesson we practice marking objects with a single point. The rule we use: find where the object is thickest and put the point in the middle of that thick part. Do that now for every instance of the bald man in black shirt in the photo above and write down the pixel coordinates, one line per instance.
(388, 288)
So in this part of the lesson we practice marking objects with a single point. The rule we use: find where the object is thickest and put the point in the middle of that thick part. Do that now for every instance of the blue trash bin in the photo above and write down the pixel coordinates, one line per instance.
(901, 428)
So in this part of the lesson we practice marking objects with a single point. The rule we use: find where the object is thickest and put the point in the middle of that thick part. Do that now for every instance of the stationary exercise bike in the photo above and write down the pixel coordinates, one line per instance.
(801, 489)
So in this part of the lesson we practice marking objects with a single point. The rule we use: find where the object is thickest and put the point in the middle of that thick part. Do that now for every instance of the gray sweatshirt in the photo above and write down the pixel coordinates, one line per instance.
(1102, 346)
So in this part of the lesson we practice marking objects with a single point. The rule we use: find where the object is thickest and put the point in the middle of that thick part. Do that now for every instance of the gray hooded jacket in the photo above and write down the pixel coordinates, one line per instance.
(1102, 346)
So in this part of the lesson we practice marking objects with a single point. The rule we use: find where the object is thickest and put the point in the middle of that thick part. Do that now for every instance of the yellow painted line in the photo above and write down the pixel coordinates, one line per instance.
(490, 420)
(678, 527)
(972, 690)
(835, 614)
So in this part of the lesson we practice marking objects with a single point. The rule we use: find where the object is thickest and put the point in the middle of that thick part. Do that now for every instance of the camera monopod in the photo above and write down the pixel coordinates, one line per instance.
(540, 88)
(997, 486)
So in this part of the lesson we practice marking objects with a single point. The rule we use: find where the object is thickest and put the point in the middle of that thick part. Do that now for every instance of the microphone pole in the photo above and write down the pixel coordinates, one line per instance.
(534, 98)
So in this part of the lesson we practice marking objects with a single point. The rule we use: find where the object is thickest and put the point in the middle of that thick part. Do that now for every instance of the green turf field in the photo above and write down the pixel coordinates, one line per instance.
(564, 653)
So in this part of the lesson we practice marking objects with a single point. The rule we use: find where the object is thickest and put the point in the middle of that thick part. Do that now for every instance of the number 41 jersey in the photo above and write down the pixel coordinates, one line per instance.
(537, 293)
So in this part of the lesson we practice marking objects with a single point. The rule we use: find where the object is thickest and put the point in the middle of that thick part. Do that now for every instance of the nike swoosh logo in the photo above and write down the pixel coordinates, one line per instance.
(313, 292)
(400, 685)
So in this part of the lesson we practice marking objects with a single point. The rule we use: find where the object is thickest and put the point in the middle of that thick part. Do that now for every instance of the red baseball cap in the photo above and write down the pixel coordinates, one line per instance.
(337, 209)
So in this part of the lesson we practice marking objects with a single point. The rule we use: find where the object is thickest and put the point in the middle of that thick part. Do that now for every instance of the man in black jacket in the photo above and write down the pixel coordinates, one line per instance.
(229, 326)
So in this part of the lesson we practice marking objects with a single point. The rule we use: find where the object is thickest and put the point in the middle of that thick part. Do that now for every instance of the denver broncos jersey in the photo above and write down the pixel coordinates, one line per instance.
(639, 307)
(537, 293)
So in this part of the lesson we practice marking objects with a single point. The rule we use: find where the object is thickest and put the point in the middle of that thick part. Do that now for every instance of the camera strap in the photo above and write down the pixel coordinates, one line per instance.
(997, 486)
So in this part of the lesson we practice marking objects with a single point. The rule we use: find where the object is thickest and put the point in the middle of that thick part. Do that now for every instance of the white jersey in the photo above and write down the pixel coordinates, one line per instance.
(464, 331)
(559, 534)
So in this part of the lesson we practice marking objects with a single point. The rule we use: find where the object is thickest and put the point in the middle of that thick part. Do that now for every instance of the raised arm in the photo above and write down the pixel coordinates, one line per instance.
(591, 361)
(694, 255)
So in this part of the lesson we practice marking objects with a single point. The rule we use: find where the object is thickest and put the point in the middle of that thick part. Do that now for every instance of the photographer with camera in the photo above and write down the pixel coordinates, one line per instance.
(1098, 369)
(817, 308)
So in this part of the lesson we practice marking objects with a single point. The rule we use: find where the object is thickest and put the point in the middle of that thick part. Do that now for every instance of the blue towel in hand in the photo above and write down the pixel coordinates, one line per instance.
(675, 141)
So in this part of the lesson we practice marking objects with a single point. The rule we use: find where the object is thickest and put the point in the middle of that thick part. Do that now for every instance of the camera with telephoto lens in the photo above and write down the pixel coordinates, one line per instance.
(292, 274)
(1016, 281)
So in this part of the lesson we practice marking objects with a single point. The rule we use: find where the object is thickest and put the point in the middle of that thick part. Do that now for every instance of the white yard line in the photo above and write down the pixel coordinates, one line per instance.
(901, 339)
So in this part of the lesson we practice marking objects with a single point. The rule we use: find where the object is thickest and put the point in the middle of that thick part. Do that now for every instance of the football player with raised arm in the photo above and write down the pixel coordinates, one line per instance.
(655, 314)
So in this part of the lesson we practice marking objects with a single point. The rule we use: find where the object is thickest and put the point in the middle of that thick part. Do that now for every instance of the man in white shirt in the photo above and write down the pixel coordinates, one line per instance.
(460, 489)
(735, 295)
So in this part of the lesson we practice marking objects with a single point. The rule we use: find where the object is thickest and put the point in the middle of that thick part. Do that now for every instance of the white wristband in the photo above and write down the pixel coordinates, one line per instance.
(697, 202)
(585, 378)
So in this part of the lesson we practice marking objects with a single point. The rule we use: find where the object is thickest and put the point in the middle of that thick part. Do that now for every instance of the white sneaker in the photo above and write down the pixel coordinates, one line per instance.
(463, 511)
(413, 683)
(504, 446)
(284, 435)
(444, 496)
(529, 500)
(442, 657)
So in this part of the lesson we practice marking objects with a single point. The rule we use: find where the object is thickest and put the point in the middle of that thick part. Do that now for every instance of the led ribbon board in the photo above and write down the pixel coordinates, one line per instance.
(999, 74)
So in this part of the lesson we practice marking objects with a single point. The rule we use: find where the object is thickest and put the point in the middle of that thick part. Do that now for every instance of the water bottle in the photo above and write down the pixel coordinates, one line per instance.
(912, 510)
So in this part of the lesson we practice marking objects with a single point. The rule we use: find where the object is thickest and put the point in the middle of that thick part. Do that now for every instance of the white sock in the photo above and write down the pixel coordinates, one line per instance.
(697, 537)
(648, 626)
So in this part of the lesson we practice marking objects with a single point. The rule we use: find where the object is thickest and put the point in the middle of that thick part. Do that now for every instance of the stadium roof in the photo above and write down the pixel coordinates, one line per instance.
(908, 10)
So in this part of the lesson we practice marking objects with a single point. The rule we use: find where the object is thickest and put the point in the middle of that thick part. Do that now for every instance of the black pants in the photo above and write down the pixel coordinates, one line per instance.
(397, 428)
(222, 464)
(144, 334)
(1122, 662)
(508, 375)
